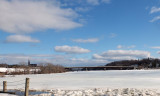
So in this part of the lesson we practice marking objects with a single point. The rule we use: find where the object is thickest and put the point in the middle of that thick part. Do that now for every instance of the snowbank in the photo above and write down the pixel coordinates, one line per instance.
(3, 69)
(107, 92)
(1, 94)
(98, 92)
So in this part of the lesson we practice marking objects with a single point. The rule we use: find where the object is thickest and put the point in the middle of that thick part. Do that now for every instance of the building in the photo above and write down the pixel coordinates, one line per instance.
(31, 65)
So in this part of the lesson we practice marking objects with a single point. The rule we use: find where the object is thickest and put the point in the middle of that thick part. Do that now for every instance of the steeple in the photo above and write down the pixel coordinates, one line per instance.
(29, 62)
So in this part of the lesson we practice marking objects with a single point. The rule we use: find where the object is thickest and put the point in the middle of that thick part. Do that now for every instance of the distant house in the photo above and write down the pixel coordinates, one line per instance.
(135, 66)
(14, 66)
(157, 65)
(150, 65)
(3, 65)
(31, 65)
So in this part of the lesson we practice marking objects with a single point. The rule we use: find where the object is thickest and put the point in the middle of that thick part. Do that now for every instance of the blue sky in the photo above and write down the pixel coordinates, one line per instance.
(78, 32)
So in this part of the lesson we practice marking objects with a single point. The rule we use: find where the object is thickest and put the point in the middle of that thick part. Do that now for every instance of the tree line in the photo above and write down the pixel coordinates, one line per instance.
(143, 63)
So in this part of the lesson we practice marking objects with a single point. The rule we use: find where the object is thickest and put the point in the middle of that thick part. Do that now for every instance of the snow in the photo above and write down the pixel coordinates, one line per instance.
(1, 94)
(97, 92)
(90, 79)
(86, 81)
(3, 69)
(107, 92)
(9, 70)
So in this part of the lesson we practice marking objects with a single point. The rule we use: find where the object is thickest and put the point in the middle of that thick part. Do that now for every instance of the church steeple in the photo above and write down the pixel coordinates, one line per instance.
(29, 62)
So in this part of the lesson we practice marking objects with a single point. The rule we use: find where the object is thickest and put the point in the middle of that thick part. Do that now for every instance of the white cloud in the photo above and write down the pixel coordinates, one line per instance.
(154, 10)
(35, 58)
(119, 46)
(69, 60)
(112, 35)
(82, 9)
(155, 19)
(64, 60)
(88, 62)
(112, 58)
(125, 47)
(158, 52)
(106, 1)
(20, 39)
(93, 2)
(90, 40)
(112, 55)
(71, 49)
(97, 2)
(25, 16)
(156, 47)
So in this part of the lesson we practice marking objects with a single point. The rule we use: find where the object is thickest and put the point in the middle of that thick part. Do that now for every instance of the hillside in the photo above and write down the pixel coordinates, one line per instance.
(144, 63)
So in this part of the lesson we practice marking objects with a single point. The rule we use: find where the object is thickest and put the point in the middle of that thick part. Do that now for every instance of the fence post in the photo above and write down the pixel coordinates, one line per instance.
(26, 87)
(4, 86)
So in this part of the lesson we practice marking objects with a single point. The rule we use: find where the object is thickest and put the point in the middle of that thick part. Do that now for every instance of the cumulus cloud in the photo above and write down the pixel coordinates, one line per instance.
(125, 47)
(71, 49)
(155, 19)
(25, 16)
(90, 40)
(154, 10)
(156, 47)
(20, 39)
(82, 9)
(112, 55)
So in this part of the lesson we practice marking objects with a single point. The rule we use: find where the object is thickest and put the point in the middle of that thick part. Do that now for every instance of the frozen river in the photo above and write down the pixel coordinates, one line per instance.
(88, 79)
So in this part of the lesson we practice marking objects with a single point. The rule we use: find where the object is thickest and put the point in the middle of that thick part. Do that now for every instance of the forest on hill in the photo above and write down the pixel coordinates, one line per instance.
(143, 63)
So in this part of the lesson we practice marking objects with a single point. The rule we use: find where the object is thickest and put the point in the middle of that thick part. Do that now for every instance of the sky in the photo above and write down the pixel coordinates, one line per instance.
(78, 32)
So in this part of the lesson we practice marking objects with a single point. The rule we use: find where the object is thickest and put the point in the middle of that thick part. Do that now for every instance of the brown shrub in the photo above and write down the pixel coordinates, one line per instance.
(2, 74)
(50, 68)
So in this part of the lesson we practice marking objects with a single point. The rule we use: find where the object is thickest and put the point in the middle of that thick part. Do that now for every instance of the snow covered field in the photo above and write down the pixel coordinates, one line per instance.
(89, 80)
